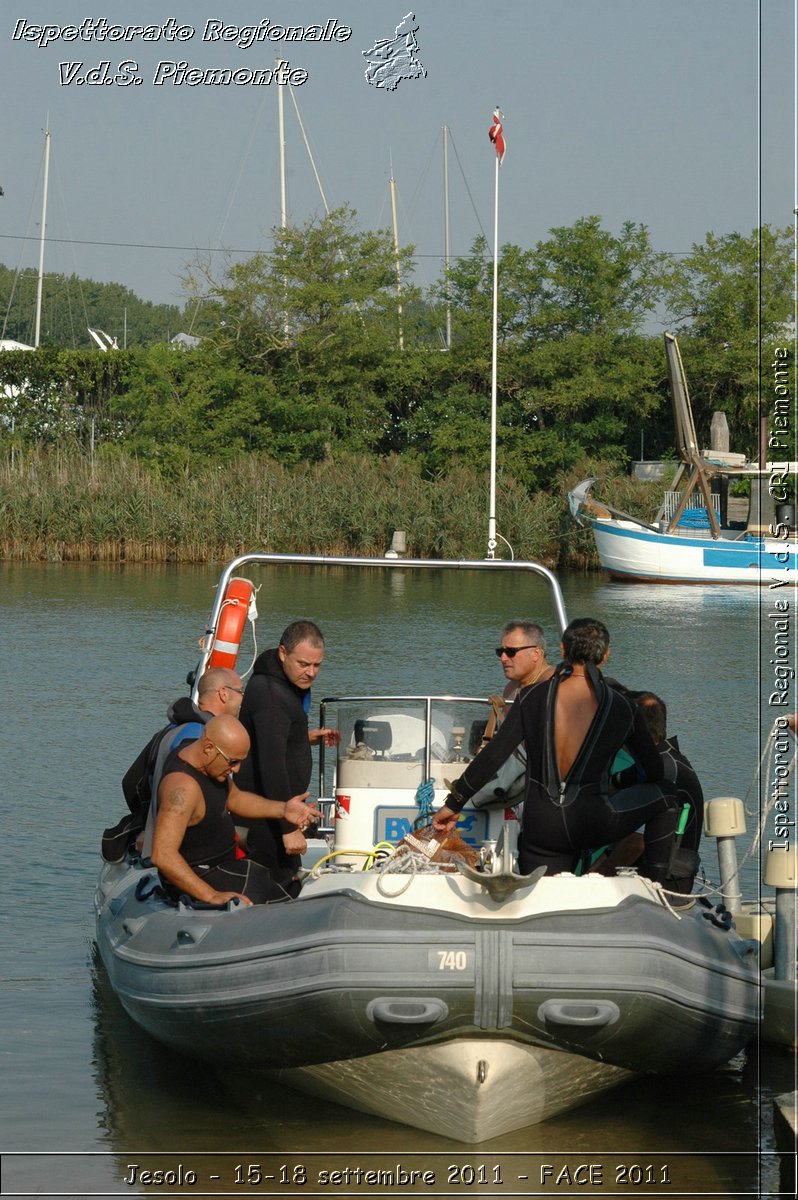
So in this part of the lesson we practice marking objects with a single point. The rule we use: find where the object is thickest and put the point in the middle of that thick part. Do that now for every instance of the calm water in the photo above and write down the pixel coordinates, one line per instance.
(92, 656)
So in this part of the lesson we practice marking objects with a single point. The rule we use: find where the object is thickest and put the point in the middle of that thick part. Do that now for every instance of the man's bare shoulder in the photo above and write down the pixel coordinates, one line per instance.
(179, 793)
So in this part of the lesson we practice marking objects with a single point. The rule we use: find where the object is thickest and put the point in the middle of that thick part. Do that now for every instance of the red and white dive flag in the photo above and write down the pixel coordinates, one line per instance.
(496, 133)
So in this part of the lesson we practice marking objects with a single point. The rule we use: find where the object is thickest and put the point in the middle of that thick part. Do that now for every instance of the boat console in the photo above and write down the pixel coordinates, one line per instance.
(393, 766)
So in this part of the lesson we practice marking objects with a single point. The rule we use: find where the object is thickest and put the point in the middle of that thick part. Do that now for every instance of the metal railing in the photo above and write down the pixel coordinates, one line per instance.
(388, 564)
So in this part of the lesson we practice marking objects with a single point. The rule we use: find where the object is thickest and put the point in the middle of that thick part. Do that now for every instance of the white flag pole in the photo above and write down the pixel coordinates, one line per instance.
(494, 338)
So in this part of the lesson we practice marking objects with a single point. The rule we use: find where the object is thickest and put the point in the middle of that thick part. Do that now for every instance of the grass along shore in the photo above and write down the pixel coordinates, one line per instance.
(58, 505)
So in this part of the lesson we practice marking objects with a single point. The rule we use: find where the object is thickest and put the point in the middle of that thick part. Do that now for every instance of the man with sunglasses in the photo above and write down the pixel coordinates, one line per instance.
(572, 727)
(194, 844)
(522, 654)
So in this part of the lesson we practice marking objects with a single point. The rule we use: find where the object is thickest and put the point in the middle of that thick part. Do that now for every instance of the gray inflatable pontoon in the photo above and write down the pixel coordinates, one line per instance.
(420, 998)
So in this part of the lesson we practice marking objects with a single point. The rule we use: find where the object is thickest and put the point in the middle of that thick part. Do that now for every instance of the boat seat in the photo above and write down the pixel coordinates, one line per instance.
(376, 735)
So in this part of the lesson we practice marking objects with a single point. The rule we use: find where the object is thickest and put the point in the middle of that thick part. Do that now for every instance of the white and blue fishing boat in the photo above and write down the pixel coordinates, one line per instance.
(692, 539)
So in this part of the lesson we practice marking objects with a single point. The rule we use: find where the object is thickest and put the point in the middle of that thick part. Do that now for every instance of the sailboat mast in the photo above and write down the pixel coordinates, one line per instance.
(496, 135)
(281, 141)
(38, 325)
(283, 204)
(446, 250)
(396, 251)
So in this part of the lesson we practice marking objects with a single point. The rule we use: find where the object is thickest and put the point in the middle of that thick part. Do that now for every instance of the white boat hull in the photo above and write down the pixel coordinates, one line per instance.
(630, 552)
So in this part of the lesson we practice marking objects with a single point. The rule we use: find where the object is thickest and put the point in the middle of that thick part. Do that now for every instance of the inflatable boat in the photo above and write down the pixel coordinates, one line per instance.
(444, 992)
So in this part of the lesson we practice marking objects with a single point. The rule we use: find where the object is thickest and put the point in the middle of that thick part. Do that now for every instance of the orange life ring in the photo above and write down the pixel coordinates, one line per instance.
(232, 619)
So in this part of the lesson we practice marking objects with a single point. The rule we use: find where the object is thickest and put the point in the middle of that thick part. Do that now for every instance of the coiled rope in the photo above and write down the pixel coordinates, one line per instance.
(425, 795)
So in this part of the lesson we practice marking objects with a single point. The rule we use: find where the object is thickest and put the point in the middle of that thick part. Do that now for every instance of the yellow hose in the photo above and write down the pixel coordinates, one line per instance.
(367, 854)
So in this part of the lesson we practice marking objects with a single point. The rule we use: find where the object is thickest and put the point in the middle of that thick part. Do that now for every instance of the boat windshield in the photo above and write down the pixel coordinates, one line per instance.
(400, 741)
(396, 760)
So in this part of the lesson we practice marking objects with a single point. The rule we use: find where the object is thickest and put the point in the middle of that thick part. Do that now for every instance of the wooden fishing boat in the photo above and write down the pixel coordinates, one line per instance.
(692, 539)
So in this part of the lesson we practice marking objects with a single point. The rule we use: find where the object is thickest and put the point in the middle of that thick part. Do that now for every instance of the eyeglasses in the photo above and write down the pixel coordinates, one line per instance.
(511, 651)
(229, 687)
(231, 762)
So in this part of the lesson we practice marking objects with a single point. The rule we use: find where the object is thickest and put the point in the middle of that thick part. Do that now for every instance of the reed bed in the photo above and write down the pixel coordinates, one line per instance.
(58, 505)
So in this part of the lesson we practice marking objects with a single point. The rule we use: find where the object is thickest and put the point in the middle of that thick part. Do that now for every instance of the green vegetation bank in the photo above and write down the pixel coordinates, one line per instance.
(318, 413)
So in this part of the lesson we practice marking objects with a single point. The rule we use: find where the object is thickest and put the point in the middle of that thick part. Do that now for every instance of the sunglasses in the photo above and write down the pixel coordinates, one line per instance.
(231, 762)
(511, 651)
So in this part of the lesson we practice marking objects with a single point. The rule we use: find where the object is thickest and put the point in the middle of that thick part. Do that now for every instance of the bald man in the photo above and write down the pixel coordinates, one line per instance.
(194, 840)
(220, 691)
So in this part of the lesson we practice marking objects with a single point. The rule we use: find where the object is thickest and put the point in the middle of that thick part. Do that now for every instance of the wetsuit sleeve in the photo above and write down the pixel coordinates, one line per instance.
(670, 769)
(648, 765)
(482, 768)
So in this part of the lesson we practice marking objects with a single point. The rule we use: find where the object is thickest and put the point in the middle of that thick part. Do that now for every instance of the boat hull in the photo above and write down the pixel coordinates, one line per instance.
(470, 1090)
(630, 552)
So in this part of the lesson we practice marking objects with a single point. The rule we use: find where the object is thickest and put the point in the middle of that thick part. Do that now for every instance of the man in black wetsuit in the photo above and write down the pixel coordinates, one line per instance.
(573, 726)
(274, 714)
(678, 777)
(194, 840)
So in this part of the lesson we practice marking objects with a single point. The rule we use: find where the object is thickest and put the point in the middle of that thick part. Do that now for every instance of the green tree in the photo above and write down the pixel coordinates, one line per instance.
(594, 283)
(321, 281)
(181, 406)
(729, 300)
(575, 376)
(50, 396)
(318, 320)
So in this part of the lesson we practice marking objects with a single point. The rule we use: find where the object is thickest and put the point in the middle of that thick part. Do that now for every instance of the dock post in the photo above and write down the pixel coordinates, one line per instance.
(780, 873)
(719, 440)
(724, 819)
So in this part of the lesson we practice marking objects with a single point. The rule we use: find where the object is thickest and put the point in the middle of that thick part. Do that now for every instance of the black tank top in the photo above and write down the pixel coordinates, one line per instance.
(212, 838)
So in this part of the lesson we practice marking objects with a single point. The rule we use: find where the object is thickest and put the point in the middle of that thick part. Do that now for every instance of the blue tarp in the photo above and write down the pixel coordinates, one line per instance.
(696, 518)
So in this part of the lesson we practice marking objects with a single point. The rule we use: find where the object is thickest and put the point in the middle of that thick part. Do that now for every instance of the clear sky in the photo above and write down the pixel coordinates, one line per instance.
(679, 114)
